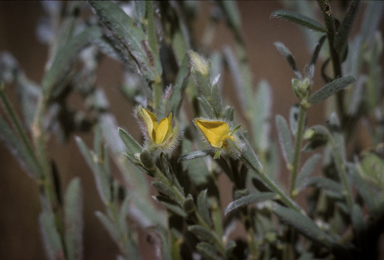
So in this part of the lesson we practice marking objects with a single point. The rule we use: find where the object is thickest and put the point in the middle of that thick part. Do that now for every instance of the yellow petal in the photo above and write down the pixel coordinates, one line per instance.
(214, 131)
(150, 120)
(161, 131)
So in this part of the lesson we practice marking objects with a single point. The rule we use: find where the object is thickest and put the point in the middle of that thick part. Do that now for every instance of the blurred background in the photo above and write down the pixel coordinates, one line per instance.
(19, 198)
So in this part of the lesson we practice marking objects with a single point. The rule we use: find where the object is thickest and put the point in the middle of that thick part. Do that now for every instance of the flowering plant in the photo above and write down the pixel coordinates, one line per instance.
(192, 137)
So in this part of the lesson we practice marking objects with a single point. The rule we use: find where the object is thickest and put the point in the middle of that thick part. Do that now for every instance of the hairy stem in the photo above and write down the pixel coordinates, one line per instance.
(297, 152)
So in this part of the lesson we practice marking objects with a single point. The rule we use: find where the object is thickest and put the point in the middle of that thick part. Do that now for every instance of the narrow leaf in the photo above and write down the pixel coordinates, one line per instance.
(64, 58)
(326, 184)
(304, 225)
(171, 205)
(131, 36)
(249, 199)
(23, 156)
(293, 118)
(109, 226)
(330, 89)
(307, 170)
(288, 55)
(51, 237)
(164, 189)
(99, 170)
(132, 145)
(202, 233)
(285, 139)
(73, 211)
(260, 117)
(299, 19)
(194, 155)
(202, 207)
(362, 187)
(208, 250)
(346, 25)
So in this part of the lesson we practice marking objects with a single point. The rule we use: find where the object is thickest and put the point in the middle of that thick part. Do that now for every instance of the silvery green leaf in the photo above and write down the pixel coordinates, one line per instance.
(316, 52)
(346, 25)
(299, 19)
(206, 107)
(202, 207)
(216, 59)
(73, 211)
(372, 17)
(250, 156)
(334, 125)
(326, 184)
(171, 205)
(109, 226)
(123, 213)
(29, 94)
(234, 67)
(260, 117)
(51, 237)
(131, 36)
(101, 174)
(304, 225)
(285, 139)
(228, 114)
(196, 169)
(233, 15)
(132, 145)
(194, 155)
(164, 189)
(202, 233)
(330, 89)
(18, 149)
(64, 58)
(288, 55)
(179, 87)
(293, 118)
(151, 28)
(145, 214)
(307, 170)
(208, 251)
(216, 100)
(356, 97)
(249, 199)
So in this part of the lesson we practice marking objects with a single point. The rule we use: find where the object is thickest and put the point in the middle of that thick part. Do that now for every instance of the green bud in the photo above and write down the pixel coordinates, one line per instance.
(301, 88)
(148, 163)
(189, 205)
(199, 63)
(317, 136)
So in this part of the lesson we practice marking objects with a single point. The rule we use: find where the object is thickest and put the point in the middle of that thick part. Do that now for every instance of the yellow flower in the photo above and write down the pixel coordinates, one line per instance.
(216, 132)
(158, 134)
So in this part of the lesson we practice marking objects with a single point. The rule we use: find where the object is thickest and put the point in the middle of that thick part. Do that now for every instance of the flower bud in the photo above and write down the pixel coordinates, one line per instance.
(199, 63)
(301, 87)
(162, 135)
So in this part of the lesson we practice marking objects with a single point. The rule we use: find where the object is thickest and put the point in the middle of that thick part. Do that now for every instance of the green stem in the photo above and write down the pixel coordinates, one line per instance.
(265, 178)
(297, 152)
(335, 57)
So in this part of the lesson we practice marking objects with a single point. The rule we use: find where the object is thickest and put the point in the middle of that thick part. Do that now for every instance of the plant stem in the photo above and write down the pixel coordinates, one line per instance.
(335, 57)
(17, 123)
(265, 178)
(297, 152)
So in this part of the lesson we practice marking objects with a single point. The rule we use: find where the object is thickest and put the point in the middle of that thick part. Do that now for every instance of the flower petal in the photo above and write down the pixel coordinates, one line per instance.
(150, 120)
(214, 131)
(162, 130)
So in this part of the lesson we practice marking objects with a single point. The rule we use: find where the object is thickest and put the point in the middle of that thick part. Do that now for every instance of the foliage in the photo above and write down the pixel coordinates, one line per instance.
(183, 156)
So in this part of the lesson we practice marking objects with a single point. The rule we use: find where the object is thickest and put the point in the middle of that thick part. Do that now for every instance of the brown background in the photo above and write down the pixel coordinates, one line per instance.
(19, 204)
